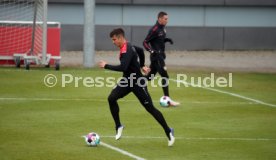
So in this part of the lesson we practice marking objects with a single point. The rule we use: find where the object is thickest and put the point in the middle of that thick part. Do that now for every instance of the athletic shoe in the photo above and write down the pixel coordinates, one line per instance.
(172, 139)
(174, 103)
(119, 132)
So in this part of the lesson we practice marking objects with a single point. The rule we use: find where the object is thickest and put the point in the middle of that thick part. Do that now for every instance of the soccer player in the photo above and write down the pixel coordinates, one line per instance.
(155, 44)
(132, 81)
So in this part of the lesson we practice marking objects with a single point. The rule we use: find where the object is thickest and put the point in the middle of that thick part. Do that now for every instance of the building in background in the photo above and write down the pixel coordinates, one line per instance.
(193, 24)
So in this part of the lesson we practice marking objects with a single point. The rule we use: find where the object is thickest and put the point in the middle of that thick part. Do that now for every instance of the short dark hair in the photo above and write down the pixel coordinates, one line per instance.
(116, 32)
(161, 14)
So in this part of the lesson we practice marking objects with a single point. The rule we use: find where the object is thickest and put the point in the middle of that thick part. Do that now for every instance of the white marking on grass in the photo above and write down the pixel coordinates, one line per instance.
(121, 151)
(105, 100)
(118, 149)
(197, 138)
(50, 99)
(228, 93)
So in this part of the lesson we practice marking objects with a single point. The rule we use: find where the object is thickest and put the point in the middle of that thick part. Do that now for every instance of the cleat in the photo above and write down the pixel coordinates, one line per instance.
(172, 139)
(174, 103)
(119, 132)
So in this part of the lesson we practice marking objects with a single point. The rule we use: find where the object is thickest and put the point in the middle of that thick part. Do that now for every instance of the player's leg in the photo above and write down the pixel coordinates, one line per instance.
(142, 94)
(117, 93)
(162, 70)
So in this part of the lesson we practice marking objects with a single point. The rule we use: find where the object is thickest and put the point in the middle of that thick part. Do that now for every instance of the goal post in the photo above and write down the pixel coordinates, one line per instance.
(23, 29)
(44, 31)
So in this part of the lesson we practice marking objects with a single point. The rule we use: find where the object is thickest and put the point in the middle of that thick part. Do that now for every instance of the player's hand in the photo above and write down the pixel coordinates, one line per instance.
(101, 64)
(146, 69)
(169, 40)
(154, 52)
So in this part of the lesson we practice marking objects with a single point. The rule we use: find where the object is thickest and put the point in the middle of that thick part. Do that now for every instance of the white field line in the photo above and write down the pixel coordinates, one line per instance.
(105, 100)
(50, 99)
(225, 92)
(208, 88)
(196, 138)
(118, 149)
(121, 151)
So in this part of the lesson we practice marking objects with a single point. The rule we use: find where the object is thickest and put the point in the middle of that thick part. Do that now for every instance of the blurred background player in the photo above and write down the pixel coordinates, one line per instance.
(130, 82)
(155, 44)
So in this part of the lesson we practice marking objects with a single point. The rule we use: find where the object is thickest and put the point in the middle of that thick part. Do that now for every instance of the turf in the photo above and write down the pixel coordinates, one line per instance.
(38, 122)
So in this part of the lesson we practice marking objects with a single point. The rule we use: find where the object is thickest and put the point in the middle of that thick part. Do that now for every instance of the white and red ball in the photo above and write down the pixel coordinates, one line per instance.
(165, 101)
(92, 139)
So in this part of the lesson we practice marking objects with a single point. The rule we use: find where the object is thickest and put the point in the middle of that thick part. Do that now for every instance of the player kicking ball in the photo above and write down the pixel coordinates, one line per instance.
(132, 81)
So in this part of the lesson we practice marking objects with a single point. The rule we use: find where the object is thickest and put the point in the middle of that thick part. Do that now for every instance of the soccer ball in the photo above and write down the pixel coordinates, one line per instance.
(165, 101)
(92, 139)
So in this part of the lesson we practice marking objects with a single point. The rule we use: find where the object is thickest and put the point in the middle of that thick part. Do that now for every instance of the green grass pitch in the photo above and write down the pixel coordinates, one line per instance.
(38, 122)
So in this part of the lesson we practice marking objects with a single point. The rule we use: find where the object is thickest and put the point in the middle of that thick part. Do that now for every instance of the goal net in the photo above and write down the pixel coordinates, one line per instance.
(23, 27)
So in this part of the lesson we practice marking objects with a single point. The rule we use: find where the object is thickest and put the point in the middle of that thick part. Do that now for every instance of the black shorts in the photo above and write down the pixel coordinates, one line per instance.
(140, 91)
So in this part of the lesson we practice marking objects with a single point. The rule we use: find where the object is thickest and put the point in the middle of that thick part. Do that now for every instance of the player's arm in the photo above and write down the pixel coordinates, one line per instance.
(125, 61)
(141, 55)
(168, 40)
(151, 35)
